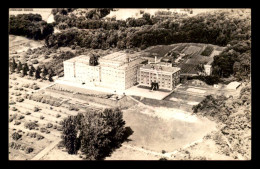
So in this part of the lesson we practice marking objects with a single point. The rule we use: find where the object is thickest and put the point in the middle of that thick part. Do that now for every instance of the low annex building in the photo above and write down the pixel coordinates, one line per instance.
(167, 77)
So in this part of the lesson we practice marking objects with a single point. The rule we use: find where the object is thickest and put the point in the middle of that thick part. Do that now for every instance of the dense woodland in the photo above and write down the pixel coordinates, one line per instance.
(89, 29)
(30, 25)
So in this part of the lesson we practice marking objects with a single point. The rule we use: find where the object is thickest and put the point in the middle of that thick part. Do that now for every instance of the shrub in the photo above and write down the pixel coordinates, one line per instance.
(35, 61)
(12, 102)
(163, 151)
(28, 150)
(58, 115)
(17, 123)
(27, 113)
(35, 87)
(14, 109)
(15, 146)
(163, 159)
(39, 137)
(20, 117)
(18, 94)
(36, 109)
(49, 125)
(23, 147)
(41, 117)
(12, 117)
(30, 125)
(44, 130)
(26, 85)
(16, 136)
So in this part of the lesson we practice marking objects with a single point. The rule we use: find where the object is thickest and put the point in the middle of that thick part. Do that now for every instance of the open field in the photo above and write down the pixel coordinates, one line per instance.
(20, 44)
(152, 132)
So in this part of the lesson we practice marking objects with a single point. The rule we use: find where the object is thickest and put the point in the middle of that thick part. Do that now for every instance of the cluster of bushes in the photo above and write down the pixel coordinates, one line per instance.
(49, 125)
(19, 99)
(18, 146)
(29, 25)
(30, 125)
(12, 117)
(45, 99)
(44, 130)
(213, 107)
(17, 123)
(210, 80)
(16, 136)
(99, 133)
(73, 107)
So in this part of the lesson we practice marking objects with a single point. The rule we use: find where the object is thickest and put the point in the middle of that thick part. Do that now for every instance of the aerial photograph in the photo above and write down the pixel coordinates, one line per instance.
(129, 84)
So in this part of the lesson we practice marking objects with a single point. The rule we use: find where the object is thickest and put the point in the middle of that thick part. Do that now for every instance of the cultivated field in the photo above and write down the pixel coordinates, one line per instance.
(190, 54)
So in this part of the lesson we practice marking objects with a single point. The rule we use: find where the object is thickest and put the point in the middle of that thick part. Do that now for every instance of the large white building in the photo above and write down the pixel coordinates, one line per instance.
(120, 71)
(117, 70)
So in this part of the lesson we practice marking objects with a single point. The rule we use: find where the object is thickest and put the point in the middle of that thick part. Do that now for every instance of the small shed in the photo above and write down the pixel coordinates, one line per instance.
(233, 85)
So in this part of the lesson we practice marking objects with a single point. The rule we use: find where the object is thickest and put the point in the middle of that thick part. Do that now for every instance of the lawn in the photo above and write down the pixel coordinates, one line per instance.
(157, 134)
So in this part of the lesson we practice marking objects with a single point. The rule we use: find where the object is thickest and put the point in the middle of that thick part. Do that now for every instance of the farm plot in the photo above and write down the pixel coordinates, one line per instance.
(160, 50)
(192, 50)
(36, 116)
(188, 68)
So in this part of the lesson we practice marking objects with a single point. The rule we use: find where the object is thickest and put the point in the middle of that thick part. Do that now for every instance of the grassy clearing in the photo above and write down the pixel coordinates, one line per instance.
(156, 134)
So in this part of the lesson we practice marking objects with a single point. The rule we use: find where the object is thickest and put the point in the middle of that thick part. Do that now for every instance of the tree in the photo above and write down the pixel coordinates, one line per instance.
(95, 134)
(30, 72)
(69, 134)
(25, 69)
(37, 73)
(13, 65)
(19, 67)
(44, 71)
(50, 78)
(32, 68)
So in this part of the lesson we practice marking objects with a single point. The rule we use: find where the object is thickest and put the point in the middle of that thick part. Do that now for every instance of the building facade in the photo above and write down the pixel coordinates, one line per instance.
(167, 77)
(117, 70)
(120, 71)
(208, 69)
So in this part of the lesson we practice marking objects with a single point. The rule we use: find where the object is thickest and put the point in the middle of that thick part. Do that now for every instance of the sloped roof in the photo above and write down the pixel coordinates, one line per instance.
(233, 85)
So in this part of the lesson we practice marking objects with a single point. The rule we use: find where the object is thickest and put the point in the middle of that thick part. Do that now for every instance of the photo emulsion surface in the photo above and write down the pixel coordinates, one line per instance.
(129, 84)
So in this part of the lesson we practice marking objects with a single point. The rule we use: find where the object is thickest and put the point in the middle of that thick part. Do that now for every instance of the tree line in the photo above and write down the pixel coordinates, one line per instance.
(41, 72)
(29, 25)
(217, 28)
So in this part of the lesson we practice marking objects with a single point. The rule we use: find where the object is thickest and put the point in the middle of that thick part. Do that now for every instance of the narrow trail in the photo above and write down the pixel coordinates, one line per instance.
(46, 150)
(157, 154)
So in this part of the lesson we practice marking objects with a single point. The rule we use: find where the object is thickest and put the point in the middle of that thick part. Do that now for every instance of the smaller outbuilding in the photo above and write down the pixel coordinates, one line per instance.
(233, 85)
